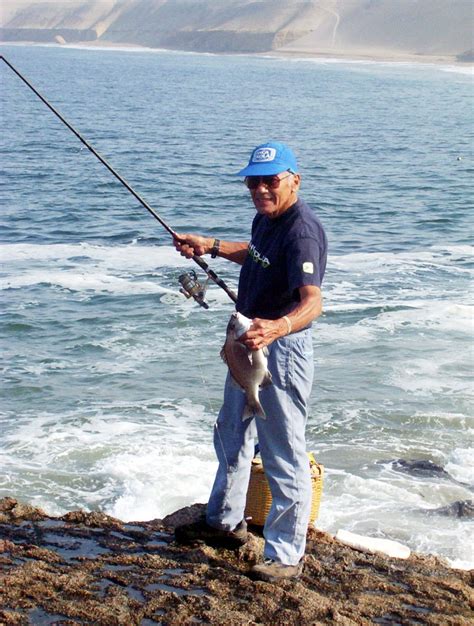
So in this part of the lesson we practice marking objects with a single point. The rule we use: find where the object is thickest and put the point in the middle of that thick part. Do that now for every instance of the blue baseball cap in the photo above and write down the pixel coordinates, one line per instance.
(270, 158)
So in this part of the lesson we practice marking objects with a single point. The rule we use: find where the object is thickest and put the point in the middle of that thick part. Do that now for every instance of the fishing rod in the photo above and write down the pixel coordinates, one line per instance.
(189, 281)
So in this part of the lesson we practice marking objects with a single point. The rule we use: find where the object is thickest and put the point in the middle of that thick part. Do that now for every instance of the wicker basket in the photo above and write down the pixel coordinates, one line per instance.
(259, 498)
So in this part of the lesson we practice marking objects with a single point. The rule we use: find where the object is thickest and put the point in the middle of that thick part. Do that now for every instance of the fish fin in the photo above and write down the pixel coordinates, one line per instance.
(266, 381)
(253, 409)
(223, 356)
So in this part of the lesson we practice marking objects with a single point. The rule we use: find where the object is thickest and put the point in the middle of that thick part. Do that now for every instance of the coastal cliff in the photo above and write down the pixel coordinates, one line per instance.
(425, 29)
(92, 568)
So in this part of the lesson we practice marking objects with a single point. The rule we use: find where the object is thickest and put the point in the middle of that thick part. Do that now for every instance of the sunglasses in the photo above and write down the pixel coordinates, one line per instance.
(270, 182)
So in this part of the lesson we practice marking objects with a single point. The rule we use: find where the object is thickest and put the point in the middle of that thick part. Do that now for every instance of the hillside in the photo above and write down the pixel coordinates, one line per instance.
(377, 28)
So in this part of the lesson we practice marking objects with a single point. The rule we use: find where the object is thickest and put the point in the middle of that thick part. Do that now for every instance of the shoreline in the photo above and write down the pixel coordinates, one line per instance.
(323, 55)
(370, 56)
(93, 567)
(26, 509)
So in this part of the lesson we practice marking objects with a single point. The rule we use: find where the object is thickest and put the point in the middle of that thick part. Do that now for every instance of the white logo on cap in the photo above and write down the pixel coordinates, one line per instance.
(264, 154)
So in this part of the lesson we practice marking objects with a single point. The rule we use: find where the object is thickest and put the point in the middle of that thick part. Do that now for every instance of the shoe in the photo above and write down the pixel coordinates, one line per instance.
(201, 532)
(273, 571)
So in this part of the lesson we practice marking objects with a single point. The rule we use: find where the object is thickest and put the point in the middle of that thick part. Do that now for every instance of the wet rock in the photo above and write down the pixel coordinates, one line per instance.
(420, 467)
(463, 509)
(91, 568)
(100, 520)
(11, 510)
(187, 515)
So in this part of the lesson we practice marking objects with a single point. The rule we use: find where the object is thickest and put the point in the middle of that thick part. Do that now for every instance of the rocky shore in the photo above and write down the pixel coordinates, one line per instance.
(89, 568)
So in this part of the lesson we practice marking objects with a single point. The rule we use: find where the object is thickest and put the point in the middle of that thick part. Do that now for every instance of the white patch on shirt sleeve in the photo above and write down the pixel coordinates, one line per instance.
(308, 267)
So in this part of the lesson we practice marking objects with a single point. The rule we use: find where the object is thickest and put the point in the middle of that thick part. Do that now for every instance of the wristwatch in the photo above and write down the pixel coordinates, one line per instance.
(215, 248)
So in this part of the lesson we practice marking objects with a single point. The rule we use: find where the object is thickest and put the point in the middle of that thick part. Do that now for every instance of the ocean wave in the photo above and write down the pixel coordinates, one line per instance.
(132, 256)
(467, 70)
(442, 316)
(138, 495)
(460, 464)
(436, 256)
(147, 258)
(400, 511)
(112, 456)
(369, 323)
(116, 47)
(79, 282)
(431, 379)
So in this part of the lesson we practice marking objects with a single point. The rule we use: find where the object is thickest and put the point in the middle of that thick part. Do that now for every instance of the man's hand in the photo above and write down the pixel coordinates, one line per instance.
(189, 245)
(263, 332)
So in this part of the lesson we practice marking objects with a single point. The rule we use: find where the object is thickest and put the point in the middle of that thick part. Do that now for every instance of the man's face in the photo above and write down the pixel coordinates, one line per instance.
(273, 195)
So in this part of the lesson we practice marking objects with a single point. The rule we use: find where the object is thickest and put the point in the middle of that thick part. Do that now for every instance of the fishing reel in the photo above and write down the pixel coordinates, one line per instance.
(192, 288)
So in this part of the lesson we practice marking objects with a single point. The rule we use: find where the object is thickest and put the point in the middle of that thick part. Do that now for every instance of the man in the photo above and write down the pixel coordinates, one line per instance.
(280, 290)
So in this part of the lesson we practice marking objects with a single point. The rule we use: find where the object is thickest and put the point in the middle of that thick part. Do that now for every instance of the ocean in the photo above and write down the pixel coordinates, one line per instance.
(112, 380)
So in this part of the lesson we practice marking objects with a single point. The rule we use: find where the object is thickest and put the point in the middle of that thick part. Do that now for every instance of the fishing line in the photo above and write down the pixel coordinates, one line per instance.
(206, 389)
(195, 289)
(216, 428)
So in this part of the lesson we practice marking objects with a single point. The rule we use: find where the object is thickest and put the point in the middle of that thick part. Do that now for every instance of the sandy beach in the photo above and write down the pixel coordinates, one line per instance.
(382, 56)
(367, 56)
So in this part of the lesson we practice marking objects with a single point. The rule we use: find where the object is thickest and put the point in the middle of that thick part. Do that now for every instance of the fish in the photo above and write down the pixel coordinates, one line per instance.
(248, 368)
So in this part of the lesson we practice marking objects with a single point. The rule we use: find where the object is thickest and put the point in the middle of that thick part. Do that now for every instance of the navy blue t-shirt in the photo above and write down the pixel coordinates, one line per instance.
(285, 253)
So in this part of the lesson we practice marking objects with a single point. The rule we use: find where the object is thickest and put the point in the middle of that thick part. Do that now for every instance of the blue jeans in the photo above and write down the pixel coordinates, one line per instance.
(281, 437)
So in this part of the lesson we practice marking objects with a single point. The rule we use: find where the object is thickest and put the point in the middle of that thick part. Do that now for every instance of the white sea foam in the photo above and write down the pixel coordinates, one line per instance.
(159, 480)
(146, 256)
(90, 281)
(114, 270)
(395, 507)
(375, 63)
(467, 70)
(111, 48)
(445, 316)
(460, 463)
(138, 468)
(461, 564)
(414, 323)
(379, 262)
(136, 257)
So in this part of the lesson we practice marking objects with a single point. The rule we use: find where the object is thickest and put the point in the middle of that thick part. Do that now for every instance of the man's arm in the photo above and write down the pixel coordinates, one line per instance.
(189, 245)
(263, 332)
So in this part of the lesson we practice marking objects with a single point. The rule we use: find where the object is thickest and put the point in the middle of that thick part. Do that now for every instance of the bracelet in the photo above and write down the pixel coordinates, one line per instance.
(215, 248)
(288, 323)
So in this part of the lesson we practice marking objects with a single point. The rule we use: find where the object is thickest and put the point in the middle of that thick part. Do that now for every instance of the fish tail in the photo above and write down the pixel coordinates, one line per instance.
(253, 408)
